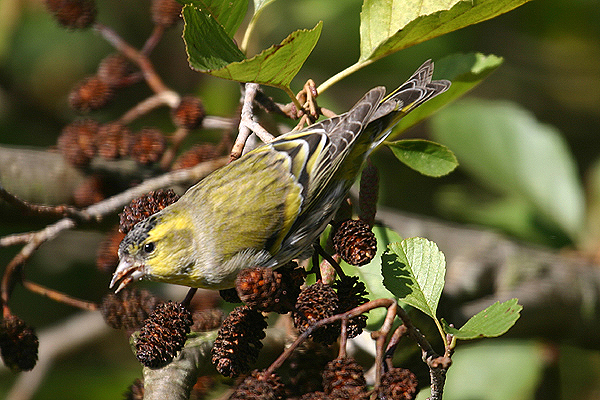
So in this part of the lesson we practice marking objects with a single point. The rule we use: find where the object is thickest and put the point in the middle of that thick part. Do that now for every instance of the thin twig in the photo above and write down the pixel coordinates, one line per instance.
(380, 337)
(153, 39)
(393, 343)
(438, 365)
(188, 297)
(169, 155)
(250, 90)
(14, 266)
(139, 58)
(17, 238)
(248, 124)
(40, 209)
(165, 98)
(58, 296)
(270, 106)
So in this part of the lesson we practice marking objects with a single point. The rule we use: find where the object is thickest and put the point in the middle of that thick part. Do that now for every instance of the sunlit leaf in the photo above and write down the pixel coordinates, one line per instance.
(210, 50)
(277, 65)
(229, 14)
(207, 43)
(414, 270)
(390, 26)
(494, 321)
(424, 156)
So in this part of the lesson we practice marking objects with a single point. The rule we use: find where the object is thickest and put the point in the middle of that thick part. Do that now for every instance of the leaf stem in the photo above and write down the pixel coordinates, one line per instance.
(293, 97)
(247, 34)
(342, 74)
(442, 333)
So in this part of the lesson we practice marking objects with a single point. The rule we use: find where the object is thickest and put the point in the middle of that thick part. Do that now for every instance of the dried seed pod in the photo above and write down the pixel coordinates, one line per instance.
(18, 344)
(239, 341)
(163, 335)
(147, 146)
(317, 302)
(73, 14)
(165, 12)
(107, 257)
(344, 378)
(113, 70)
(352, 293)
(77, 141)
(144, 206)
(194, 156)
(189, 113)
(135, 391)
(90, 94)
(113, 140)
(259, 385)
(354, 242)
(258, 287)
(128, 309)
(266, 289)
(398, 384)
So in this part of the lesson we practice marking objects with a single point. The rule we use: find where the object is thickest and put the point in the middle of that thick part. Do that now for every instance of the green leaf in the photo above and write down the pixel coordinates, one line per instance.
(229, 14)
(277, 65)
(507, 149)
(465, 71)
(207, 43)
(413, 270)
(210, 50)
(424, 156)
(494, 321)
(370, 274)
(389, 26)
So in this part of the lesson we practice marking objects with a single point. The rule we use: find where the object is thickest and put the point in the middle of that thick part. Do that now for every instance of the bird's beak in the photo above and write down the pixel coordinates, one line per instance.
(127, 270)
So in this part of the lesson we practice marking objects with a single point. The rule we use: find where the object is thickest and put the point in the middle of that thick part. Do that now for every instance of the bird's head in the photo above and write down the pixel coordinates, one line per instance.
(154, 248)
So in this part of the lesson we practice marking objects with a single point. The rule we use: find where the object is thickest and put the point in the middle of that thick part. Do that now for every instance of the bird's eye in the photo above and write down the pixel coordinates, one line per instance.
(149, 247)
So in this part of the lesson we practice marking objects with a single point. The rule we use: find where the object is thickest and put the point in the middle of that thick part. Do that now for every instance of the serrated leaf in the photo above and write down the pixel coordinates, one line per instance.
(390, 26)
(424, 156)
(370, 274)
(277, 65)
(494, 321)
(211, 51)
(414, 270)
(507, 149)
(207, 44)
(229, 14)
(465, 71)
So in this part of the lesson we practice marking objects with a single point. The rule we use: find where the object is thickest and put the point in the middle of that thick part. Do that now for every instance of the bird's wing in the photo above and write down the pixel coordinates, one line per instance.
(264, 181)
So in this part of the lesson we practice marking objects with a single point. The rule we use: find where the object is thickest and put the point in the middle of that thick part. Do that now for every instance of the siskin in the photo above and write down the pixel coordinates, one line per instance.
(269, 206)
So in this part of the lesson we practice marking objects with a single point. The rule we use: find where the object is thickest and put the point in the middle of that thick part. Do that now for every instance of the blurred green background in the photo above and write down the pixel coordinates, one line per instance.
(552, 69)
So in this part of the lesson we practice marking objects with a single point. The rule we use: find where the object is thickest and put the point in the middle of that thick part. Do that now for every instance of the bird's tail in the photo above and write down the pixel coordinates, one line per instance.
(416, 90)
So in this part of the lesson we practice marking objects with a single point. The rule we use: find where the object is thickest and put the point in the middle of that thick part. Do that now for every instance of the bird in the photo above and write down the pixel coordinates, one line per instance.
(269, 206)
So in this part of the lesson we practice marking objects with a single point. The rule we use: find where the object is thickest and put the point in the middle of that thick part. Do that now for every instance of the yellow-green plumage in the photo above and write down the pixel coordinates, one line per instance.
(269, 206)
